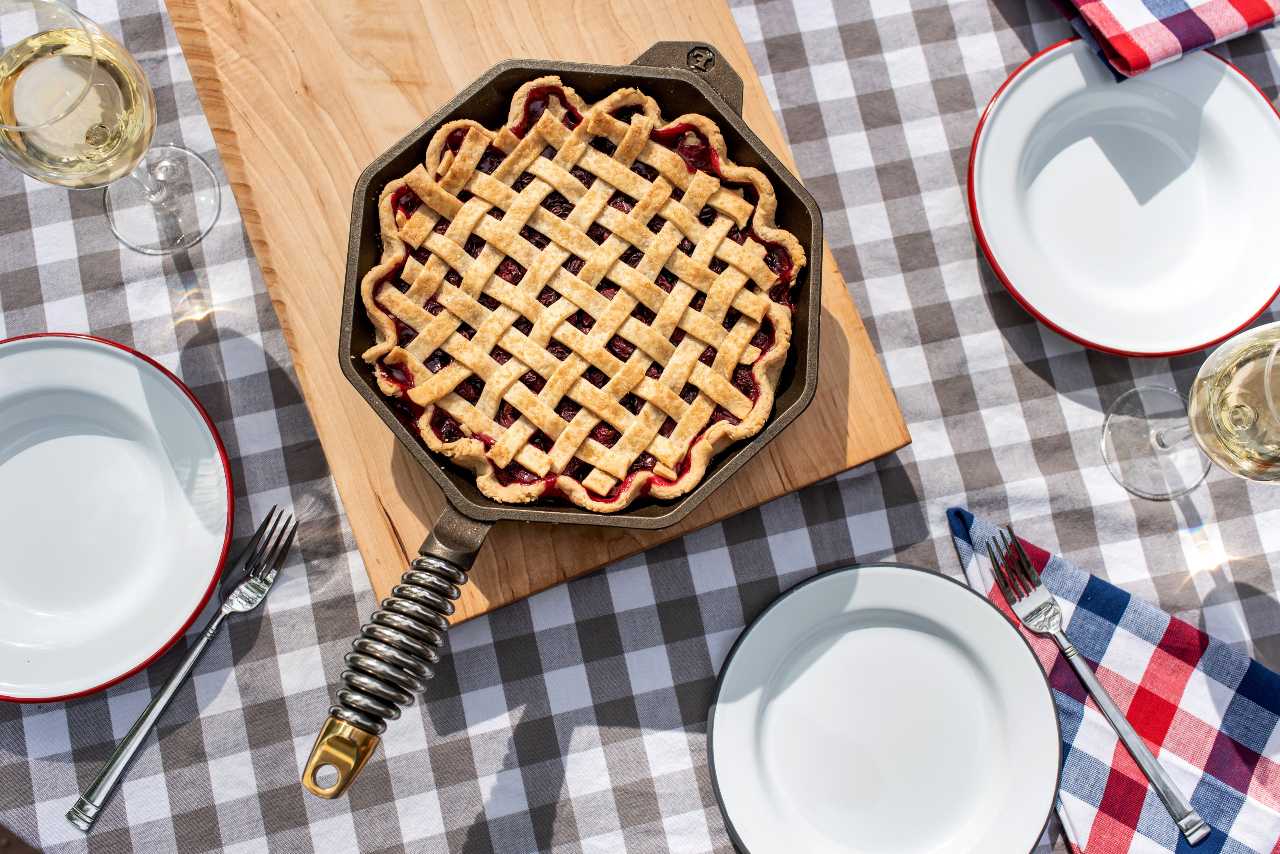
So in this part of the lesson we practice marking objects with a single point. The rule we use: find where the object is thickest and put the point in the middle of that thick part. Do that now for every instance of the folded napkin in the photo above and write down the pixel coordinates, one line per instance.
(1207, 712)
(1137, 35)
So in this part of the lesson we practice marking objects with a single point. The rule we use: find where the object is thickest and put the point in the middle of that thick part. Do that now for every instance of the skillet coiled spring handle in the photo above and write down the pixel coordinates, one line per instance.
(388, 665)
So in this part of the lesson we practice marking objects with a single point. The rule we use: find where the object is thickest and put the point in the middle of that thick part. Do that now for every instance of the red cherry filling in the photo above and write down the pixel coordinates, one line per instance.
(708, 356)
(577, 469)
(685, 245)
(745, 382)
(763, 339)
(668, 427)
(737, 235)
(558, 204)
(718, 266)
(698, 301)
(720, 414)
(541, 441)
(655, 224)
(581, 321)
(490, 160)
(730, 318)
(446, 428)
(488, 302)
(437, 361)
(524, 325)
(595, 376)
(604, 144)
(422, 255)
(393, 280)
(574, 264)
(404, 333)
(397, 375)
(405, 201)
(631, 403)
(510, 271)
(453, 141)
(465, 195)
(598, 232)
(466, 331)
(434, 307)
(644, 462)
(621, 348)
(507, 414)
(473, 245)
(653, 371)
(537, 238)
(558, 350)
(677, 336)
(525, 179)
(605, 434)
(666, 279)
(536, 103)
(632, 256)
(707, 215)
(689, 393)
(644, 170)
(547, 295)
(607, 289)
(643, 313)
(690, 144)
(567, 409)
(516, 473)
(547, 152)
(499, 355)
(583, 176)
(622, 202)
(453, 278)
(441, 226)
(533, 380)
(469, 389)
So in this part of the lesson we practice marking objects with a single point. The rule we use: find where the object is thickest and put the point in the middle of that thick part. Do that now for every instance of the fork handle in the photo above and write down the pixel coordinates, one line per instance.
(87, 808)
(1193, 827)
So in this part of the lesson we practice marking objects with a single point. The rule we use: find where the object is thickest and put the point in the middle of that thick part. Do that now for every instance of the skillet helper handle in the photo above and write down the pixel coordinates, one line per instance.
(703, 60)
(391, 661)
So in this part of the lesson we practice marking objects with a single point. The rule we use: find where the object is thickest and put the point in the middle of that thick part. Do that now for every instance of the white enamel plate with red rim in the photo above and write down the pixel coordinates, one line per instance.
(1134, 217)
(884, 709)
(115, 514)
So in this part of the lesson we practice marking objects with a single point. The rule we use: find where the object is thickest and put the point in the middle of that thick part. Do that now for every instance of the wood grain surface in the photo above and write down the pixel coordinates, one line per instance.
(302, 94)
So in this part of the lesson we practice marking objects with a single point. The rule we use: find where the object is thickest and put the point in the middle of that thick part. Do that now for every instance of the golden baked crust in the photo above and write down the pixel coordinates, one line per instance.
(589, 304)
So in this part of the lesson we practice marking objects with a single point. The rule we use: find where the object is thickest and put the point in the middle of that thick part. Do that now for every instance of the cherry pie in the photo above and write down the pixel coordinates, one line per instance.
(588, 304)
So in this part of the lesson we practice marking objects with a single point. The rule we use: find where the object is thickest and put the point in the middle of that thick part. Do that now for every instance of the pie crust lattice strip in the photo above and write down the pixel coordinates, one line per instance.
(588, 304)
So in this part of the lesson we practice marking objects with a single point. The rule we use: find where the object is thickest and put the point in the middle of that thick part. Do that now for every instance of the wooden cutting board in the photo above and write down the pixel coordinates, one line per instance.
(302, 94)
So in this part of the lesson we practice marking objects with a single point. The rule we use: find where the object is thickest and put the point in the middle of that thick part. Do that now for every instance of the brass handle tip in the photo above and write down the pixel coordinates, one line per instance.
(341, 751)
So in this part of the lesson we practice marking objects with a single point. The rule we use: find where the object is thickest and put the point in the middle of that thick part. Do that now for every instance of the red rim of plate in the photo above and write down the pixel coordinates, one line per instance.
(999, 271)
(226, 539)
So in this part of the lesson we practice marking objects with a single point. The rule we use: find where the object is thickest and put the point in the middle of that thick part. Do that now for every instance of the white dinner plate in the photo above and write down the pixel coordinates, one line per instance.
(1136, 217)
(115, 514)
(884, 709)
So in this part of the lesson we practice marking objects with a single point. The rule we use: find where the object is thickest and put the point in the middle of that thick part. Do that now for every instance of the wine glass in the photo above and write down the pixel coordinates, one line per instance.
(76, 110)
(1159, 445)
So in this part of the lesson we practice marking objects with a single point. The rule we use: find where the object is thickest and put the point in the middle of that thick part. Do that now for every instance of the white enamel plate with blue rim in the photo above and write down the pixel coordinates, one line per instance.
(1134, 217)
(884, 709)
(115, 514)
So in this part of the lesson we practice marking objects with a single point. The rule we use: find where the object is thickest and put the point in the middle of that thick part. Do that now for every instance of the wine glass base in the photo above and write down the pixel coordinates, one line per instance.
(1148, 447)
(169, 203)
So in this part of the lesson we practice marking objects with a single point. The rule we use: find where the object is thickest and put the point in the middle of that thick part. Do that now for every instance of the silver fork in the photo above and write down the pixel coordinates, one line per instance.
(258, 562)
(1039, 611)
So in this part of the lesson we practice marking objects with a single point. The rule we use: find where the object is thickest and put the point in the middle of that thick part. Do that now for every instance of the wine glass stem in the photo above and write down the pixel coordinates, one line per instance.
(153, 181)
(1170, 437)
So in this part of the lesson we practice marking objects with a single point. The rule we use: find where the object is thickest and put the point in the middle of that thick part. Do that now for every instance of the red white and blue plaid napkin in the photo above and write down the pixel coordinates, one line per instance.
(1210, 715)
(1137, 35)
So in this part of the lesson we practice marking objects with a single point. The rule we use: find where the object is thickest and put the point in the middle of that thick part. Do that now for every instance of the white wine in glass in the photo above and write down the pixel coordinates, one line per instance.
(1233, 414)
(76, 110)
(1233, 406)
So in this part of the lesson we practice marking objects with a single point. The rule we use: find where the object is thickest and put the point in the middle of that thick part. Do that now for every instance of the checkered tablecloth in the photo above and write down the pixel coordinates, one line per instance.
(575, 721)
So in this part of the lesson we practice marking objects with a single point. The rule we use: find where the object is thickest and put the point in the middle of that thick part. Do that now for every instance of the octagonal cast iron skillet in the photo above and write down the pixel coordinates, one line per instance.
(392, 658)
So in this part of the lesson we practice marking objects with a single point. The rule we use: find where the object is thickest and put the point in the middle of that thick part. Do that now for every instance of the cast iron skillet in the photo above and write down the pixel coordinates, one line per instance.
(391, 658)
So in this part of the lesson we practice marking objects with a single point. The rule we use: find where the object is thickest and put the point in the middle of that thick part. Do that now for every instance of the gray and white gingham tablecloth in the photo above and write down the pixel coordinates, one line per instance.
(576, 720)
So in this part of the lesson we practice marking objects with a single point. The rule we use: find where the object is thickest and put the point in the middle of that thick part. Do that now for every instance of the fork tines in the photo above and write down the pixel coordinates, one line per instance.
(1016, 575)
